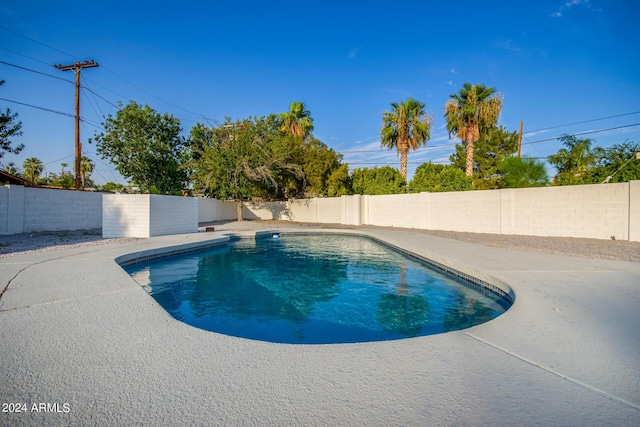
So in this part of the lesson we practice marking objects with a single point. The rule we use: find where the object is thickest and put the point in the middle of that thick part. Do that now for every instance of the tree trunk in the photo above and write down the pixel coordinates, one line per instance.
(469, 163)
(240, 206)
(470, 139)
(403, 164)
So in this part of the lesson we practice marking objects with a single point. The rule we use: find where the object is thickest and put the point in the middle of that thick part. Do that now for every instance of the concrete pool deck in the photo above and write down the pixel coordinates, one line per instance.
(75, 329)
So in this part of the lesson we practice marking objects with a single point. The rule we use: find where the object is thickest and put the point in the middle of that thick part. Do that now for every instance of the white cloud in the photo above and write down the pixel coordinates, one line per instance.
(450, 82)
(507, 45)
(353, 53)
(453, 70)
(568, 5)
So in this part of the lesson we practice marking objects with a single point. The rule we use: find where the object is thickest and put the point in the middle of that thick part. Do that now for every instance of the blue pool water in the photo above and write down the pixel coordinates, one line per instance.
(312, 289)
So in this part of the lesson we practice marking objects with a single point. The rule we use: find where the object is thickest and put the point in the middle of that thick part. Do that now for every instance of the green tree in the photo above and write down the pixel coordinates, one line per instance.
(618, 162)
(522, 172)
(339, 182)
(572, 161)
(9, 128)
(376, 181)
(32, 169)
(469, 114)
(437, 178)
(297, 121)
(11, 168)
(114, 187)
(318, 162)
(243, 159)
(406, 127)
(494, 145)
(145, 147)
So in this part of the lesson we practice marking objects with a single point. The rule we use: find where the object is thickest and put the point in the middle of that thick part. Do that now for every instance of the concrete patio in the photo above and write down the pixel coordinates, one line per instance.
(75, 329)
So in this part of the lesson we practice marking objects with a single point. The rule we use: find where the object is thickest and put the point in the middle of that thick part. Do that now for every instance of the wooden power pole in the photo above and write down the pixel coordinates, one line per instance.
(77, 67)
(520, 139)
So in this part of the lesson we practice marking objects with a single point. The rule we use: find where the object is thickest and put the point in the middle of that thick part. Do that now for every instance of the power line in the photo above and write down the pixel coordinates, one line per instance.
(35, 71)
(155, 96)
(39, 108)
(25, 56)
(202, 116)
(582, 133)
(99, 96)
(588, 121)
(40, 43)
(53, 111)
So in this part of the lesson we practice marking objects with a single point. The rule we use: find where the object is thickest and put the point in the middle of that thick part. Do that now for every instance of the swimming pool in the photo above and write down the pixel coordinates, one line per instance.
(313, 289)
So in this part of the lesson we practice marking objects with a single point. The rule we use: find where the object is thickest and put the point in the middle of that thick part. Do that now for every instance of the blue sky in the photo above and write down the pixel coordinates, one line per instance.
(557, 63)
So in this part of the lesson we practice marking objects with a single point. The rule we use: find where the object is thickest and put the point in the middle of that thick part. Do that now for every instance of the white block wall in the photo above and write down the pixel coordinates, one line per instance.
(634, 211)
(26, 210)
(11, 209)
(396, 210)
(594, 211)
(330, 210)
(265, 210)
(351, 207)
(599, 211)
(148, 215)
(304, 210)
(473, 211)
(47, 209)
(172, 215)
(210, 210)
(125, 215)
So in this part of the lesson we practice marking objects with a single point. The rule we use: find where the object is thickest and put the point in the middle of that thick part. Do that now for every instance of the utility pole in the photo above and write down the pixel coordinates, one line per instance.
(77, 67)
(520, 139)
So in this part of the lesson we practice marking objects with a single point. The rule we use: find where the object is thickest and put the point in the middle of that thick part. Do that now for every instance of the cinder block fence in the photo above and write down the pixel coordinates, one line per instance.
(601, 211)
(27, 210)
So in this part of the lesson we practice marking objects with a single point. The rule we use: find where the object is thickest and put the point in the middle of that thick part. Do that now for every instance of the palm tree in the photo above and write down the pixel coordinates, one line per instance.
(297, 121)
(10, 169)
(32, 169)
(86, 168)
(64, 165)
(406, 127)
(572, 161)
(473, 109)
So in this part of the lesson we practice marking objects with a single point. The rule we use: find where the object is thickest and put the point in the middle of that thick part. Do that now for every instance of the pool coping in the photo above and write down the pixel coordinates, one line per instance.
(566, 352)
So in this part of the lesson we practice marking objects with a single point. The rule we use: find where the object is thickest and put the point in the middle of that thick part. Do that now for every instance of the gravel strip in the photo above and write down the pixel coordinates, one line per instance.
(618, 250)
(28, 243)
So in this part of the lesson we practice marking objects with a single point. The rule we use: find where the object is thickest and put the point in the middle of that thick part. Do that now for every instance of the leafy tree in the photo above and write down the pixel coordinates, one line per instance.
(297, 121)
(146, 147)
(618, 162)
(521, 172)
(318, 162)
(113, 187)
(339, 182)
(383, 180)
(32, 169)
(469, 114)
(86, 169)
(9, 128)
(243, 159)
(494, 145)
(572, 161)
(64, 180)
(436, 178)
(406, 127)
